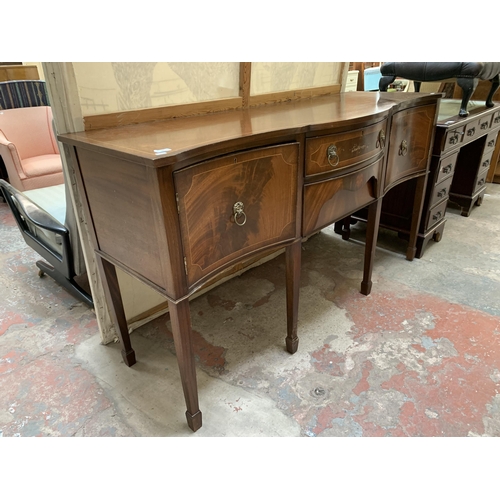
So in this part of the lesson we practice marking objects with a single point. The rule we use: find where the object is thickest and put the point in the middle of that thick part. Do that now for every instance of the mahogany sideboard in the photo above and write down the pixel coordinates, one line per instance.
(176, 202)
(463, 151)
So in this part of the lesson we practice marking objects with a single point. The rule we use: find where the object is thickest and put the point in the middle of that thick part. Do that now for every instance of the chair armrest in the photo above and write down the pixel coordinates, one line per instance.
(38, 216)
(11, 157)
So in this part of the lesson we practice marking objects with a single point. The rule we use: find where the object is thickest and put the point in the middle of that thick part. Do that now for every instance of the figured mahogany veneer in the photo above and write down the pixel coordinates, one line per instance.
(176, 202)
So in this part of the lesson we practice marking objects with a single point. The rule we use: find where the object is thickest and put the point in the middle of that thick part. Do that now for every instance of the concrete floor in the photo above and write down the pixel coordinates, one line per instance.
(420, 356)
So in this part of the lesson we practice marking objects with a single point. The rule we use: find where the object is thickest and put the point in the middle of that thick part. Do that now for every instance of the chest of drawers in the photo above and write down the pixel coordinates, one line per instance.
(175, 203)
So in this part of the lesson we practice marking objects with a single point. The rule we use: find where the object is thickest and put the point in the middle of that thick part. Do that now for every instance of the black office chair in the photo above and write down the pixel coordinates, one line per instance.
(47, 224)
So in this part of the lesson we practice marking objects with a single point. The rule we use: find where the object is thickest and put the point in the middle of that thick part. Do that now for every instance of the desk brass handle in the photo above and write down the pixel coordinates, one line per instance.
(484, 125)
(497, 119)
(454, 138)
(403, 148)
(441, 193)
(437, 216)
(331, 154)
(447, 169)
(491, 143)
(471, 131)
(238, 208)
(481, 182)
(486, 163)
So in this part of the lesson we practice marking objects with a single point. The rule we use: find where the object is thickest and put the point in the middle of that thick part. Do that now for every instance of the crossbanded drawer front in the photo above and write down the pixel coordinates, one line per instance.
(330, 200)
(234, 205)
(337, 151)
(447, 166)
(441, 191)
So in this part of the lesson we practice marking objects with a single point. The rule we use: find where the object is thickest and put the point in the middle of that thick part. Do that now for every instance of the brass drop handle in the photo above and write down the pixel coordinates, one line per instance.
(381, 140)
(331, 155)
(455, 138)
(447, 169)
(441, 193)
(484, 125)
(481, 182)
(497, 119)
(491, 143)
(238, 213)
(486, 163)
(403, 148)
(471, 131)
(437, 215)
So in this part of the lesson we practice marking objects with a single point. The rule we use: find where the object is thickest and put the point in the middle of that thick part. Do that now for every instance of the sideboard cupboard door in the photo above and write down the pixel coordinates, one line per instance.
(409, 146)
(235, 205)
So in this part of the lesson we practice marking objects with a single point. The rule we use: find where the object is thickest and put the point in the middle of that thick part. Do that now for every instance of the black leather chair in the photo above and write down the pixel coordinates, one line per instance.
(467, 75)
(47, 225)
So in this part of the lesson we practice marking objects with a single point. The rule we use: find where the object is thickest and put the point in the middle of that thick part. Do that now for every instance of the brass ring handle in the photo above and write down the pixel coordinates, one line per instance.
(381, 140)
(238, 208)
(331, 154)
(403, 149)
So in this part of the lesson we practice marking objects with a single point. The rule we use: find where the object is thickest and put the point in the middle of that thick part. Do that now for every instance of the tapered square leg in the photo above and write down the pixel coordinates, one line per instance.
(372, 226)
(181, 330)
(292, 258)
(114, 300)
(416, 216)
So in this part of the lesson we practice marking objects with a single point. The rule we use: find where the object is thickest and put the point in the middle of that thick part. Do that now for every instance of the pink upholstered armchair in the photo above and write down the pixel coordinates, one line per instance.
(29, 149)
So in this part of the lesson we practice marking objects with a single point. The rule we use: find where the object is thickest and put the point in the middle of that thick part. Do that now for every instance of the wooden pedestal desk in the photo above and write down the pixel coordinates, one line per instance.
(464, 150)
(176, 202)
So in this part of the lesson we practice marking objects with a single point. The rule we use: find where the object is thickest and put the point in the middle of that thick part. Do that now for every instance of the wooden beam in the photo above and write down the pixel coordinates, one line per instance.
(245, 79)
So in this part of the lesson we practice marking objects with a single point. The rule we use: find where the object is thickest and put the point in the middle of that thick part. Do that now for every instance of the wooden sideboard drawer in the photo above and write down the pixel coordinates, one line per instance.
(410, 143)
(336, 151)
(446, 166)
(435, 214)
(328, 201)
(441, 191)
(234, 205)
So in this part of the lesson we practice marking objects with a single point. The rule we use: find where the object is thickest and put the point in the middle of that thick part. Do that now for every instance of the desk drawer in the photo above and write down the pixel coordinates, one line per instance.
(234, 205)
(486, 160)
(480, 181)
(336, 151)
(453, 137)
(446, 166)
(435, 214)
(495, 119)
(328, 201)
(441, 191)
(491, 141)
